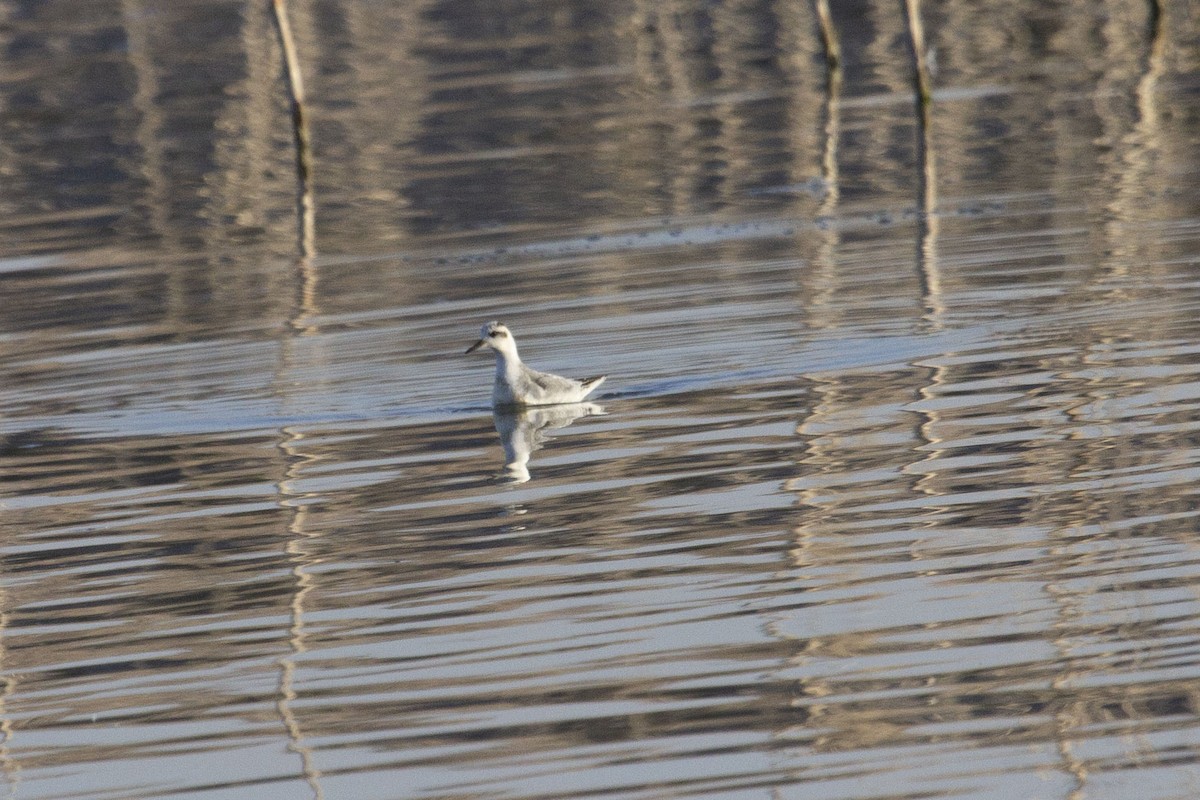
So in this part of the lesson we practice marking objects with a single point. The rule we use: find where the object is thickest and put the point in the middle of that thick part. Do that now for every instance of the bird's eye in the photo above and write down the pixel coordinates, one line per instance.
(494, 334)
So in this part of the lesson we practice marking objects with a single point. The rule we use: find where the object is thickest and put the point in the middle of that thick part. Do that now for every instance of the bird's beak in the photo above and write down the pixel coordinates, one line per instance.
(475, 346)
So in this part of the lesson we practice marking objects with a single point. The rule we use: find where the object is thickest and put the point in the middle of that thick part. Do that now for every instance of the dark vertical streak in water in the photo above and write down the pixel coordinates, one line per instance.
(1156, 15)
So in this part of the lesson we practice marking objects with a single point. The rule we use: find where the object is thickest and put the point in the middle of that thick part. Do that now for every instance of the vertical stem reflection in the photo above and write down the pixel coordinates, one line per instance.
(305, 202)
(927, 264)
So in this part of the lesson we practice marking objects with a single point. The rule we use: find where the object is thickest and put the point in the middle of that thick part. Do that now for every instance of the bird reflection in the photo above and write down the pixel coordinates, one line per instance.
(521, 432)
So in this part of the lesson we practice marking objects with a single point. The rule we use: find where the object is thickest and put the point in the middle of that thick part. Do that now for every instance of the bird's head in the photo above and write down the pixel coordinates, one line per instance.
(496, 336)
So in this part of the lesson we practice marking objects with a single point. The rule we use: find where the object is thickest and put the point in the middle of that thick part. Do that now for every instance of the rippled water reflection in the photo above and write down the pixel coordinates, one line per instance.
(890, 492)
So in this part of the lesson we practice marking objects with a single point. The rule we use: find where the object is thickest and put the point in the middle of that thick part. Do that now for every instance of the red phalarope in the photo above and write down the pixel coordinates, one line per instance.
(517, 384)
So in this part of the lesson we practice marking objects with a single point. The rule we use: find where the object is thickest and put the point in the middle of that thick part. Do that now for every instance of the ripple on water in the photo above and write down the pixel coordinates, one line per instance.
(892, 490)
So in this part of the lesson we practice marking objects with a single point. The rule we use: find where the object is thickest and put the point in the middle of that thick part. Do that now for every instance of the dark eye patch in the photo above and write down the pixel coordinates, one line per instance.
(494, 334)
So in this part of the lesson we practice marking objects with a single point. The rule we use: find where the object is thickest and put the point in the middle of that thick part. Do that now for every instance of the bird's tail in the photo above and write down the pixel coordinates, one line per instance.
(591, 384)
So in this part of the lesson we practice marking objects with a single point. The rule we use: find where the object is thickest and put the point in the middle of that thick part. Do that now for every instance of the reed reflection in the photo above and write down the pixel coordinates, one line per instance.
(522, 432)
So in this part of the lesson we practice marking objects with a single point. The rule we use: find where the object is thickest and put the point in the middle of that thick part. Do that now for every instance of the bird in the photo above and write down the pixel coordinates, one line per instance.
(517, 385)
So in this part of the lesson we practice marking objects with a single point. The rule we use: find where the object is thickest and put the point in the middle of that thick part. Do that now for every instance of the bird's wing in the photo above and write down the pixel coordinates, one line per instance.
(552, 383)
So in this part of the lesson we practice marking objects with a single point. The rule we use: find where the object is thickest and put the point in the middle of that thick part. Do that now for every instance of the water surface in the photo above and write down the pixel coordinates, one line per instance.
(890, 492)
